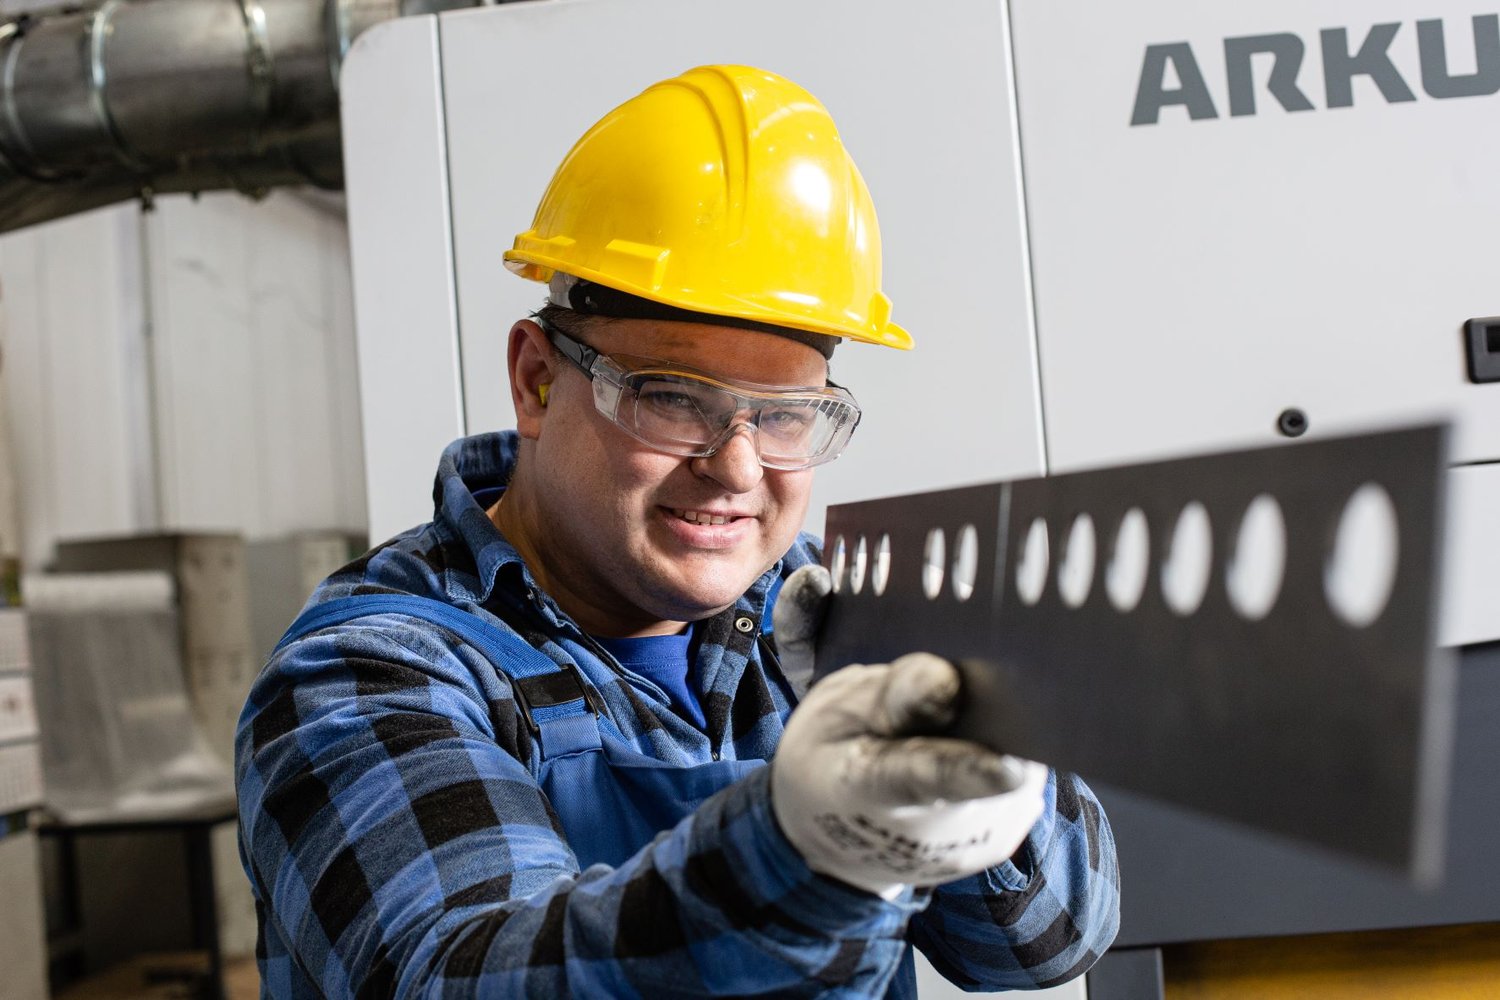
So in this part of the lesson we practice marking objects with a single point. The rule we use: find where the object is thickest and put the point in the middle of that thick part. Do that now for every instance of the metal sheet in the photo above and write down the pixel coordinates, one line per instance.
(1295, 721)
(1196, 878)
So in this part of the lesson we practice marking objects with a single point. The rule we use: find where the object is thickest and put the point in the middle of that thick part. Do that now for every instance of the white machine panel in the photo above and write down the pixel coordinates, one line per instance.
(929, 121)
(401, 244)
(1205, 258)
(1194, 276)
(1471, 557)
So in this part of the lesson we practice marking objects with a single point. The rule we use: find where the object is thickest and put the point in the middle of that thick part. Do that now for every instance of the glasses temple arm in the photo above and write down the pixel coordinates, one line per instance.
(575, 351)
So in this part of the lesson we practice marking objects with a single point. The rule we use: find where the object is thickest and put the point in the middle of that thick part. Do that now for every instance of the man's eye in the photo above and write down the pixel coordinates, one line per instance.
(667, 401)
(787, 420)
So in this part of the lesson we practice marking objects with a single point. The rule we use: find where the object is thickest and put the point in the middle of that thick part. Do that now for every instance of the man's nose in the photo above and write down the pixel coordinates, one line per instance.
(736, 464)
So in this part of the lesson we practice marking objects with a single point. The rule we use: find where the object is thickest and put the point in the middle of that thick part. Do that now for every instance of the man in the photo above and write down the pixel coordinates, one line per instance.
(520, 750)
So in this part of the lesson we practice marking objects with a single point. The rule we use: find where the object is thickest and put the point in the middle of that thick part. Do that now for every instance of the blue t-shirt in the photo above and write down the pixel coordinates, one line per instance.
(666, 660)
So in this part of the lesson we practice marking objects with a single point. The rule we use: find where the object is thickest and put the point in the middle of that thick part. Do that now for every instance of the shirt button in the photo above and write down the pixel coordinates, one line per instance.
(715, 755)
(744, 624)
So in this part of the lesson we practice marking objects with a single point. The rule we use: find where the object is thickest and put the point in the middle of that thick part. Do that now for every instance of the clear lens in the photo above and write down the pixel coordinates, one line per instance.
(684, 414)
(681, 411)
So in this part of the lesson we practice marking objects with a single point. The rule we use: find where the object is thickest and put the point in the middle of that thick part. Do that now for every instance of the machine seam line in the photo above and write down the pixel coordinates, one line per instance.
(1023, 200)
(458, 329)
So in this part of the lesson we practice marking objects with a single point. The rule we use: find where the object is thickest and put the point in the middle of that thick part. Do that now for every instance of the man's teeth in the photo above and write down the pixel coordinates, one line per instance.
(700, 518)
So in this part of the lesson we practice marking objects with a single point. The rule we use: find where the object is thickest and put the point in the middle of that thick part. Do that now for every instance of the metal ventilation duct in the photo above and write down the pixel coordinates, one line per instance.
(136, 97)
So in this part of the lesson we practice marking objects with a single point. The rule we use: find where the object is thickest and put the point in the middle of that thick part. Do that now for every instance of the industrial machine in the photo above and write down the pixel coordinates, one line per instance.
(1119, 234)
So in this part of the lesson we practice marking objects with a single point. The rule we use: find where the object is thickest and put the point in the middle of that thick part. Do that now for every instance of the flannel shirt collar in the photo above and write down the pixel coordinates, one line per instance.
(471, 475)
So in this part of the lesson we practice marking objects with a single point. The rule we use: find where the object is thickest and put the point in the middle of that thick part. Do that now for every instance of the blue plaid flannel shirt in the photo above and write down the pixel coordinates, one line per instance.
(398, 843)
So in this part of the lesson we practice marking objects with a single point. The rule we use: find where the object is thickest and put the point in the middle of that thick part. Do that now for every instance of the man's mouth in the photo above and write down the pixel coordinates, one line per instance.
(703, 516)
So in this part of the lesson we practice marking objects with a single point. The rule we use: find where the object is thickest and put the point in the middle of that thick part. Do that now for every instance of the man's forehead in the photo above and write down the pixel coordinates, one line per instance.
(590, 298)
(770, 358)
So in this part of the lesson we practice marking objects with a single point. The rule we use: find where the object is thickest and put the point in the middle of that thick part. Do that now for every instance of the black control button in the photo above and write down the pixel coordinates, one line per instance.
(1483, 338)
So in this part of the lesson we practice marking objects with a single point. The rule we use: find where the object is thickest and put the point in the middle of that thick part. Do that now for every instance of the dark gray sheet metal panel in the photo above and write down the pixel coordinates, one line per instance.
(1128, 974)
(1189, 877)
(1296, 722)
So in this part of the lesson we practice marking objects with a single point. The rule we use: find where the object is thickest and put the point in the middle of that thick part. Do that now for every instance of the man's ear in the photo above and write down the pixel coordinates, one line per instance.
(530, 361)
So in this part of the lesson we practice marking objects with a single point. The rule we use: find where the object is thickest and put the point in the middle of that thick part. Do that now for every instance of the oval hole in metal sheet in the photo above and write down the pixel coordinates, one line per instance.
(1361, 569)
(1129, 562)
(965, 562)
(1075, 572)
(934, 558)
(1189, 564)
(1258, 563)
(837, 563)
(1031, 571)
(880, 569)
(858, 565)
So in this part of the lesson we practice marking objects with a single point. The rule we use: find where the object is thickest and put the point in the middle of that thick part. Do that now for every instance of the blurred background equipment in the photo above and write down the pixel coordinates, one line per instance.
(135, 98)
(181, 382)
(146, 655)
(209, 601)
(120, 738)
(22, 924)
(23, 951)
(283, 572)
(134, 785)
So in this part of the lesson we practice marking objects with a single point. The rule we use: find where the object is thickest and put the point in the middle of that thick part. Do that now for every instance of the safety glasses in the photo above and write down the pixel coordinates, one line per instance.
(684, 412)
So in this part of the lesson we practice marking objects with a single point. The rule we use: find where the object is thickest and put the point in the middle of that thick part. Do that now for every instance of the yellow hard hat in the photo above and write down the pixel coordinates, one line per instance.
(724, 191)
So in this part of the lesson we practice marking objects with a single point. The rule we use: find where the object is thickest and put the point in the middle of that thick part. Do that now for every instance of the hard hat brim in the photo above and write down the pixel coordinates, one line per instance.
(538, 267)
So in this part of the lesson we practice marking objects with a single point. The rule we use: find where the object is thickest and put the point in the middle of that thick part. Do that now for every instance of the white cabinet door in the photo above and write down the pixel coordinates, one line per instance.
(1206, 257)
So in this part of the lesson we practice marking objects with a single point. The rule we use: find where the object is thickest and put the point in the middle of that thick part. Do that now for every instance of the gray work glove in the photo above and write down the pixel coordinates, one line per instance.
(795, 620)
(863, 788)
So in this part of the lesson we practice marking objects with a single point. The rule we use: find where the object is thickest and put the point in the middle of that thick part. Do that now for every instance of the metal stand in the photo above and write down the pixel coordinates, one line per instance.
(66, 953)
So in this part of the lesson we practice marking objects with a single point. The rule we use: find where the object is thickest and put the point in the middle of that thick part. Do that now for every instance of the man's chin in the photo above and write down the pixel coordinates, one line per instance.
(685, 604)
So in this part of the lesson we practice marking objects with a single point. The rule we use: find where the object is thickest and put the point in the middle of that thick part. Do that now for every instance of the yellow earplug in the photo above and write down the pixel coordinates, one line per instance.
(542, 391)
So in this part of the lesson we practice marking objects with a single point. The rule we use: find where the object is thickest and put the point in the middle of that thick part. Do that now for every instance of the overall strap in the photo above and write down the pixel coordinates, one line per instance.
(556, 704)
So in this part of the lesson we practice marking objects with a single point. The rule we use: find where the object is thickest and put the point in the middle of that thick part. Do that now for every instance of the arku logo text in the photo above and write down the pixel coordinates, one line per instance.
(1341, 64)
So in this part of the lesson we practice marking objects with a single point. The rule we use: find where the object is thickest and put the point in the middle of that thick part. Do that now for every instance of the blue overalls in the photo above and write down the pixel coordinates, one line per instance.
(587, 770)
(610, 799)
